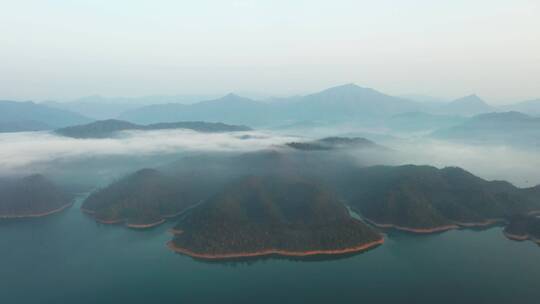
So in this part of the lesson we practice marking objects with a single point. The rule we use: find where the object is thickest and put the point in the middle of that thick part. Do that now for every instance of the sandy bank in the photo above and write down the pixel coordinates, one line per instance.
(456, 225)
(519, 237)
(145, 226)
(174, 231)
(485, 223)
(126, 222)
(413, 230)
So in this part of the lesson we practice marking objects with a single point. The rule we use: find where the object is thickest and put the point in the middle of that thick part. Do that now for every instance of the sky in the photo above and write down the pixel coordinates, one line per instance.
(65, 49)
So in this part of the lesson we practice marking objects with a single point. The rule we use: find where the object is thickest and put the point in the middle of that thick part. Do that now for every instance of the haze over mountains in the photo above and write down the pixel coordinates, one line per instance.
(531, 107)
(466, 106)
(350, 104)
(29, 116)
(344, 103)
(100, 107)
(512, 128)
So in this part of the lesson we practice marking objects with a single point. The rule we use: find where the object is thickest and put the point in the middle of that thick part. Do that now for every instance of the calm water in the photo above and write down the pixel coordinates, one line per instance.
(68, 258)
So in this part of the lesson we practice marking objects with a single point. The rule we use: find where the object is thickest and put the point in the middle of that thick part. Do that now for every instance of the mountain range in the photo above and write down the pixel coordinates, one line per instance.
(343, 103)
(348, 103)
(100, 107)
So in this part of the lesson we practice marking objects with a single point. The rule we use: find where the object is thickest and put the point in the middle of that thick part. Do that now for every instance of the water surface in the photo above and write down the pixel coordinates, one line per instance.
(68, 258)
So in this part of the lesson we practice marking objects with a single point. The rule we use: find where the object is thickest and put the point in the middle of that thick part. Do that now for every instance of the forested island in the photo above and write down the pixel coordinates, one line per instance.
(31, 196)
(143, 199)
(522, 228)
(424, 199)
(260, 216)
(107, 128)
(331, 143)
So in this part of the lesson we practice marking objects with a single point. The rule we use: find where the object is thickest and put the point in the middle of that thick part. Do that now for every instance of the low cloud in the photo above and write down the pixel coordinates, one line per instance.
(29, 151)
(20, 150)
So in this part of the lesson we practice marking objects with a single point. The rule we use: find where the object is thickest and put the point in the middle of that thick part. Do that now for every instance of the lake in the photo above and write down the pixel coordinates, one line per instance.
(69, 258)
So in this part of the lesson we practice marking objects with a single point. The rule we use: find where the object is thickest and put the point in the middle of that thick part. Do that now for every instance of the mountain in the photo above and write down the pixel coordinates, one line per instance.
(421, 121)
(466, 106)
(29, 116)
(258, 216)
(339, 104)
(108, 128)
(141, 200)
(531, 107)
(426, 199)
(100, 107)
(511, 128)
(331, 143)
(31, 196)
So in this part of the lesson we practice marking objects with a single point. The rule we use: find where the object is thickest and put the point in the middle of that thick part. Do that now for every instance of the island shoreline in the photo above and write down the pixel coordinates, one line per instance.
(125, 222)
(270, 252)
(521, 238)
(37, 215)
(456, 225)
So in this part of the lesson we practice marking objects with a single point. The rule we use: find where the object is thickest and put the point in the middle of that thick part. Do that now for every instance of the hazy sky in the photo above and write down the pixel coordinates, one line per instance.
(60, 49)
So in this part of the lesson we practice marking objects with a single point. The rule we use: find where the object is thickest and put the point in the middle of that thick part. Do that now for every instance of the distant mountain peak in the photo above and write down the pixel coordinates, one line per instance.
(232, 95)
(229, 99)
(468, 105)
(351, 87)
(472, 98)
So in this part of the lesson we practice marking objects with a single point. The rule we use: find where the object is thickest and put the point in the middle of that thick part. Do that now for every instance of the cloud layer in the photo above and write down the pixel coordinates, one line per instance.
(20, 150)
(27, 151)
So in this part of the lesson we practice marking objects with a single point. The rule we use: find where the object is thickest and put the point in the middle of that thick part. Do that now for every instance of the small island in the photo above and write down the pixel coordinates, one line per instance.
(522, 228)
(262, 216)
(31, 196)
(332, 143)
(144, 199)
(108, 128)
(424, 199)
